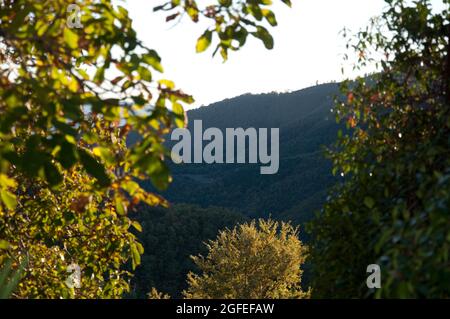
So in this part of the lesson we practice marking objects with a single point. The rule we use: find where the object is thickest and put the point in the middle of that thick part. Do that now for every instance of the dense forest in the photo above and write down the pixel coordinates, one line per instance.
(91, 205)
(306, 124)
(169, 238)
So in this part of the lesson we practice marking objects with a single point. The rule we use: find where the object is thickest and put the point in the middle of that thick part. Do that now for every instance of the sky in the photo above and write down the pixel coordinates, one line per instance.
(308, 49)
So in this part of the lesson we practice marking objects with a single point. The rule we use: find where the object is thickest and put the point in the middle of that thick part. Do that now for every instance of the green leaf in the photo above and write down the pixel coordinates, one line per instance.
(137, 226)
(105, 154)
(5, 181)
(192, 11)
(224, 52)
(120, 208)
(177, 108)
(94, 168)
(161, 179)
(264, 36)
(152, 58)
(167, 83)
(71, 38)
(204, 41)
(144, 74)
(131, 187)
(256, 11)
(369, 202)
(270, 17)
(241, 36)
(4, 244)
(99, 75)
(140, 248)
(135, 256)
(52, 174)
(8, 199)
(123, 13)
(67, 156)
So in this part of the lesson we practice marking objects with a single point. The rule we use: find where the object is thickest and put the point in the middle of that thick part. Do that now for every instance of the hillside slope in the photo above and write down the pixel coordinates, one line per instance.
(306, 124)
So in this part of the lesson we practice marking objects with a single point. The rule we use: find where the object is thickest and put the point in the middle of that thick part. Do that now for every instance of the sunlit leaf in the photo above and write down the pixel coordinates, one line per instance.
(204, 41)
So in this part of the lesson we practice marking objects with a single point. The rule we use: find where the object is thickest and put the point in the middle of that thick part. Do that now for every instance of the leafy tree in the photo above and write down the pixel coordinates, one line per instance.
(71, 92)
(253, 260)
(393, 205)
(155, 294)
(58, 228)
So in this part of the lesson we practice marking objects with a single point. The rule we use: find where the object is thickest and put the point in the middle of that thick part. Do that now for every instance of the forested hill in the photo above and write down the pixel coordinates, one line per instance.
(306, 124)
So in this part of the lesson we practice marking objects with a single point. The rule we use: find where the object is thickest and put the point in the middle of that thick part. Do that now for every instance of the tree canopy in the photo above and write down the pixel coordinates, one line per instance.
(392, 207)
(254, 260)
(74, 83)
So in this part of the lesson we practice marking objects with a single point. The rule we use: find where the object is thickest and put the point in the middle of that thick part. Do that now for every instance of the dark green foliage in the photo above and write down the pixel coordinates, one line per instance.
(393, 207)
(9, 277)
(170, 237)
(230, 22)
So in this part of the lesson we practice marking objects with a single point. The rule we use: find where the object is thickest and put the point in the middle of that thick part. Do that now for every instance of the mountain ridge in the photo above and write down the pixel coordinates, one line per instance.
(306, 124)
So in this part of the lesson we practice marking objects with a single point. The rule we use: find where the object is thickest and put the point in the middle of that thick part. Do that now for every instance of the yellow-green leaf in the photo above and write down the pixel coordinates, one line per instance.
(137, 226)
(71, 38)
(120, 208)
(153, 59)
(135, 256)
(270, 17)
(369, 202)
(167, 83)
(204, 41)
(4, 244)
(8, 199)
(5, 181)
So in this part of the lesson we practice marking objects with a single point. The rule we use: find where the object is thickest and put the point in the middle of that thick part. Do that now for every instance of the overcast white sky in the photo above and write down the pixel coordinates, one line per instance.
(308, 48)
